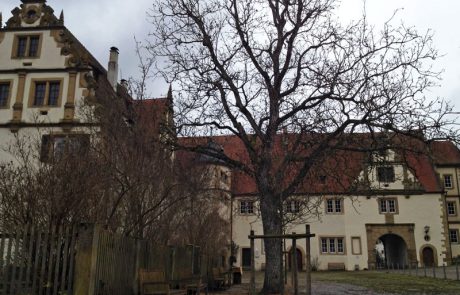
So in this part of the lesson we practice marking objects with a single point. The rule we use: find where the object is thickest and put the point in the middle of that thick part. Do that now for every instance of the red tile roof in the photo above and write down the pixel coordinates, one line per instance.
(341, 168)
(151, 113)
(445, 153)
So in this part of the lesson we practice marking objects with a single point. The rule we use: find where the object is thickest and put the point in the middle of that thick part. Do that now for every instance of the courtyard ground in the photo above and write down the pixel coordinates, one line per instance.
(363, 282)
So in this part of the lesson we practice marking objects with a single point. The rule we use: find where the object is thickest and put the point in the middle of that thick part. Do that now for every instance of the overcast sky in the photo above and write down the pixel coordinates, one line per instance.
(100, 24)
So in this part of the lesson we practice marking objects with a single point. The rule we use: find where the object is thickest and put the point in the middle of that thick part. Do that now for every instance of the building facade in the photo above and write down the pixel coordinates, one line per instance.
(390, 211)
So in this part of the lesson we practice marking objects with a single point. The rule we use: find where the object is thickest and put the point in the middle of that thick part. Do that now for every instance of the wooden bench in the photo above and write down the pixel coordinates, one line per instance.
(192, 283)
(218, 278)
(336, 266)
(153, 282)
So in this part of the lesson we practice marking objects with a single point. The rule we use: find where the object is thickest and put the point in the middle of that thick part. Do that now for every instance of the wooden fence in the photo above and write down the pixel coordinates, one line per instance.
(85, 260)
(37, 262)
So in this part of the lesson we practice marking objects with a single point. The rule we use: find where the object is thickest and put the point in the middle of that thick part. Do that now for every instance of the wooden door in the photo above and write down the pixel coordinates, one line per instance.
(246, 257)
(428, 256)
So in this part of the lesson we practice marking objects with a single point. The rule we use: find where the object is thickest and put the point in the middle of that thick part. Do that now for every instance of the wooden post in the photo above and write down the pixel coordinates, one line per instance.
(85, 260)
(252, 287)
(307, 261)
(456, 270)
(444, 271)
(294, 265)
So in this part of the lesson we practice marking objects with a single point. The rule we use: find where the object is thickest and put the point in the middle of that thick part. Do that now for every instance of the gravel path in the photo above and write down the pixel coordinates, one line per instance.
(318, 288)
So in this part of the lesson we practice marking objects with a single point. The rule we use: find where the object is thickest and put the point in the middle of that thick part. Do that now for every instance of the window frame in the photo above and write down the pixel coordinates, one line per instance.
(335, 245)
(48, 153)
(240, 205)
(48, 82)
(387, 205)
(454, 208)
(14, 53)
(334, 205)
(10, 93)
(290, 204)
(356, 251)
(456, 235)
(445, 177)
(392, 180)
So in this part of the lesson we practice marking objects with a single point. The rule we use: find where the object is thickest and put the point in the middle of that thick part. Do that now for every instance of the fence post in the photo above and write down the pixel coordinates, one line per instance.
(85, 260)
(444, 270)
(294, 265)
(434, 271)
(252, 287)
(308, 261)
(416, 269)
(424, 268)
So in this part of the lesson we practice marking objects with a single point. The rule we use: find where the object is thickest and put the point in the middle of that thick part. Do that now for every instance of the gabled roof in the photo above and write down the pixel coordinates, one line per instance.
(341, 168)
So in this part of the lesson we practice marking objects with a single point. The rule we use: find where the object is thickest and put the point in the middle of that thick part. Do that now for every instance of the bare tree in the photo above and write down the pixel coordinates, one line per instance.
(253, 68)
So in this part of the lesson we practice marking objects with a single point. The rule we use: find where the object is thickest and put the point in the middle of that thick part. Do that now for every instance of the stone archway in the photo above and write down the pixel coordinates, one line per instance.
(398, 237)
(394, 251)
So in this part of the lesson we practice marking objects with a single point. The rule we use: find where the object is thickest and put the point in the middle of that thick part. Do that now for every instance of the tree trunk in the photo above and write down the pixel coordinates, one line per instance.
(273, 281)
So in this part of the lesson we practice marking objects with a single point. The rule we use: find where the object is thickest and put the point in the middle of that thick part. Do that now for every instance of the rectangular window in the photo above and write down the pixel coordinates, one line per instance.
(246, 207)
(293, 206)
(334, 205)
(56, 147)
(46, 93)
(386, 174)
(4, 94)
(26, 46)
(333, 245)
(448, 181)
(451, 209)
(323, 245)
(453, 235)
(388, 206)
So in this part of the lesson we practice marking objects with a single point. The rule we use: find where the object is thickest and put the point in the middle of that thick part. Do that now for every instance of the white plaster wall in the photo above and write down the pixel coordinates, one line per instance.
(50, 53)
(420, 210)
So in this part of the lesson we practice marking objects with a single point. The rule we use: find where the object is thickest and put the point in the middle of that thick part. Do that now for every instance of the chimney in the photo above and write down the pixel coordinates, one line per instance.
(112, 73)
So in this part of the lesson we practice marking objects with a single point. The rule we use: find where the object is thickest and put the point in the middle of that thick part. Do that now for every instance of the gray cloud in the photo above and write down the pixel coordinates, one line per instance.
(100, 24)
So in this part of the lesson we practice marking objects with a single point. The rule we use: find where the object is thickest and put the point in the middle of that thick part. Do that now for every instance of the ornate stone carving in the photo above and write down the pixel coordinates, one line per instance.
(48, 18)
(15, 20)
(30, 14)
(76, 58)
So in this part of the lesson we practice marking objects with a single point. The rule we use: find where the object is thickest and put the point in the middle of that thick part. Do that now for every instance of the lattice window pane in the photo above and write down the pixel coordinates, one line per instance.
(53, 97)
(4, 94)
(40, 90)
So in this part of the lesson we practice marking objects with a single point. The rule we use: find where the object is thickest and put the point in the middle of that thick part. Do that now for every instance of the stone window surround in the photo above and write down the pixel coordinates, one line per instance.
(387, 205)
(10, 92)
(14, 52)
(334, 207)
(33, 83)
(328, 239)
(448, 183)
(356, 251)
(453, 206)
(454, 233)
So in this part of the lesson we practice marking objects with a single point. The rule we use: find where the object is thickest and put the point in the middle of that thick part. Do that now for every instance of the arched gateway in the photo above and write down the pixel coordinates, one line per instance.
(391, 245)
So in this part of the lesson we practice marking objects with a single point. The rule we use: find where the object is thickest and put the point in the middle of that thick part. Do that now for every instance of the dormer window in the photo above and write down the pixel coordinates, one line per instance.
(448, 184)
(386, 174)
(26, 46)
